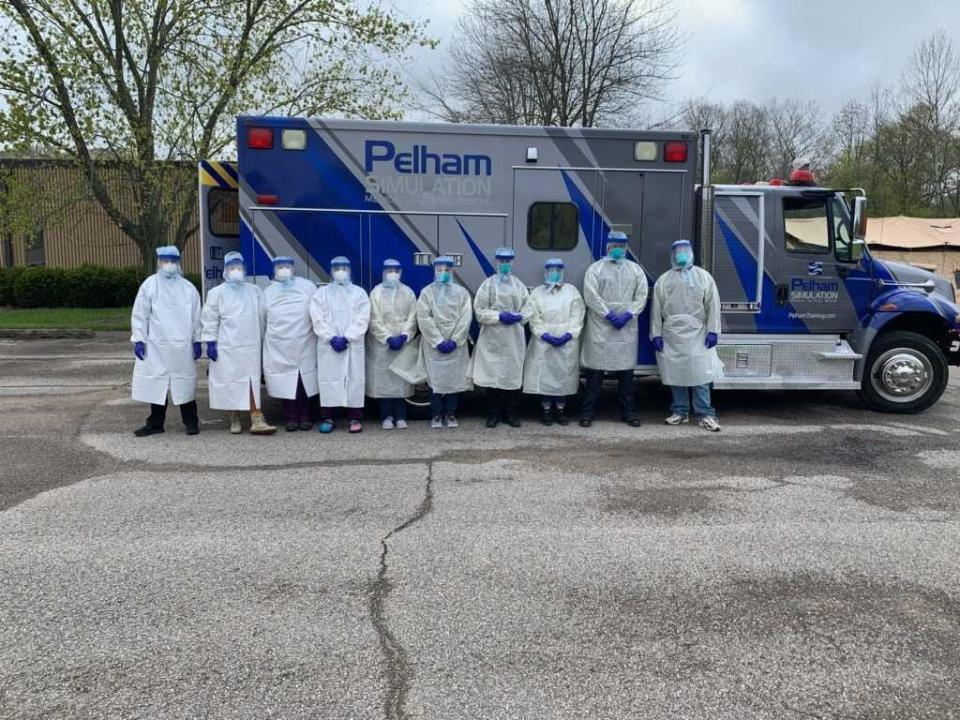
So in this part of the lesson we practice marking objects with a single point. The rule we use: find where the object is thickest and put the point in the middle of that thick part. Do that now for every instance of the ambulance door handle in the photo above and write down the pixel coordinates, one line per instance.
(783, 294)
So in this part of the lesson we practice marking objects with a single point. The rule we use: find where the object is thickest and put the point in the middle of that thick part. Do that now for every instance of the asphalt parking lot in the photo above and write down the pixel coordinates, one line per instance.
(801, 564)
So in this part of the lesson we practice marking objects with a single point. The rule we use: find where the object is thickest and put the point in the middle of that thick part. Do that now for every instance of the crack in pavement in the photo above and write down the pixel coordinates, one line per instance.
(396, 663)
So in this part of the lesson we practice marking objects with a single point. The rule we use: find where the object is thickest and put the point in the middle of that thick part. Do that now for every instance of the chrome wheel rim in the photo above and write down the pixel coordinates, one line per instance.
(902, 375)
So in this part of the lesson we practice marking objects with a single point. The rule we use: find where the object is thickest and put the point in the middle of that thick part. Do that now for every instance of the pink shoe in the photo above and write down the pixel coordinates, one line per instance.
(356, 426)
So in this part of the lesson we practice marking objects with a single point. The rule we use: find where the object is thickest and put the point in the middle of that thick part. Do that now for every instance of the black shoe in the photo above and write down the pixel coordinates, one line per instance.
(292, 426)
(512, 421)
(306, 425)
(192, 430)
(492, 422)
(586, 422)
(546, 417)
(147, 430)
(633, 422)
(561, 417)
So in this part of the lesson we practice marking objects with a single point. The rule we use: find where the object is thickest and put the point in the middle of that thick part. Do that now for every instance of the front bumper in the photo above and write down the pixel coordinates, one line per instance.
(953, 347)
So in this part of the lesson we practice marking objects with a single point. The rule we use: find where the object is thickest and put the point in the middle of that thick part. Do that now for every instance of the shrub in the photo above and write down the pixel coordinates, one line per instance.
(8, 276)
(40, 287)
(90, 286)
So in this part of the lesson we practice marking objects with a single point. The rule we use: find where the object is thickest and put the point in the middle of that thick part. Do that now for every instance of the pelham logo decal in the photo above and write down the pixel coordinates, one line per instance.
(803, 290)
(815, 268)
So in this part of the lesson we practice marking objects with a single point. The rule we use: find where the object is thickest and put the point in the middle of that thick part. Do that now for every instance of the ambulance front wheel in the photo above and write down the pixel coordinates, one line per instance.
(905, 373)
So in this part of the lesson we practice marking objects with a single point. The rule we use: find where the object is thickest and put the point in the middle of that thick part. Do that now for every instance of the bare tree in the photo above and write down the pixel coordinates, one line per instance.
(931, 86)
(795, 132)
(747, 143)
(556, 62)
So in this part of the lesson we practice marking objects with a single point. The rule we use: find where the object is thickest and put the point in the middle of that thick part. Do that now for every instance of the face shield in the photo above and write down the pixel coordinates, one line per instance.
(283, 272)
(169, 265)
(553, 272)
(616, 245)
(391, 274)
(340, 270)
(443, 273)
(681, 254)
(504, 257)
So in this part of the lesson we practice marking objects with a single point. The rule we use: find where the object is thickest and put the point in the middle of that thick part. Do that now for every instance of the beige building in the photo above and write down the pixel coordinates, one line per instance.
(71, 228)
(930, 243)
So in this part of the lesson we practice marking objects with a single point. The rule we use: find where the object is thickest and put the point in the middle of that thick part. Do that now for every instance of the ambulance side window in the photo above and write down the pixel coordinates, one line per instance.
(553, 226)
(223, 212)
(806, 225)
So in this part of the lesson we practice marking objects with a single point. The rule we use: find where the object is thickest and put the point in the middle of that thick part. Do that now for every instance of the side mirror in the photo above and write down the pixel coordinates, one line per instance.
(859, 230)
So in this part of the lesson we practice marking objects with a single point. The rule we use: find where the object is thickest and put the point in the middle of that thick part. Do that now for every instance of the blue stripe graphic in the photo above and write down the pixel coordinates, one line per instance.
(484, 263)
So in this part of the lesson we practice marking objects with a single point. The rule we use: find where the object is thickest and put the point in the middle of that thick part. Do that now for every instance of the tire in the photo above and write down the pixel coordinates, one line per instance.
(905, 372)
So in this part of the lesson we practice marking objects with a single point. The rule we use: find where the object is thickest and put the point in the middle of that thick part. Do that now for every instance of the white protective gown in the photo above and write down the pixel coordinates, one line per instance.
(607, 286)
(548, 370)
(289, 345)
(166, 317)
(444, 312)
(344, 311)
(498, 356)
(393, 311)
(233, 316)
(686, 306)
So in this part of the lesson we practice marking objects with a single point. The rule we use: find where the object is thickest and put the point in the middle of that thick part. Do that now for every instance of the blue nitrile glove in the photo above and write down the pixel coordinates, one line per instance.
(625, 317)
(548, 338)
(338, 343)
(140, 350)
(658, 344)
(711, 340)
(197, 351)
(509, 318)
(564, 339)
(212, 351)
(400, 340)
(447, 346)
(612, 317)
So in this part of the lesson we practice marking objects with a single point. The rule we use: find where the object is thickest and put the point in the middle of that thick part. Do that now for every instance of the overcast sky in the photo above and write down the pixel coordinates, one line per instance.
(823, 50)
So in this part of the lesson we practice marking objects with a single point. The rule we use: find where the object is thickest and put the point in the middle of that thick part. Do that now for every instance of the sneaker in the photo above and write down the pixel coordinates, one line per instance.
(235, 427)
(192, 430)
(633, 422)
(586, 422)
(452, 421)
(561, 416)
(292, 426)
(677, 419)
(356, 426)
(400, 424)
(387, 423)
(709, 423)
(305, 425)
(326, 427)
(437, 422)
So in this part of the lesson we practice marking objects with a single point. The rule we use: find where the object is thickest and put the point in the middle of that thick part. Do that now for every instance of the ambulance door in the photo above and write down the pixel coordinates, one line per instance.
(219, 218)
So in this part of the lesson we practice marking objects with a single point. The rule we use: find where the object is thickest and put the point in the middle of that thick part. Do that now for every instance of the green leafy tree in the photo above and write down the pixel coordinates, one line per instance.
(149, 85)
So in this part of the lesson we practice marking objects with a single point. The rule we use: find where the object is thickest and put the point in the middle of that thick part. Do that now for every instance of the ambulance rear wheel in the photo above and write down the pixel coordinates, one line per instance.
(905, 373)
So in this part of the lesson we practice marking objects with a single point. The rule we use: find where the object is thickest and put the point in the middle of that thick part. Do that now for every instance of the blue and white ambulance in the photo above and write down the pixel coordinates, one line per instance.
(804, 305)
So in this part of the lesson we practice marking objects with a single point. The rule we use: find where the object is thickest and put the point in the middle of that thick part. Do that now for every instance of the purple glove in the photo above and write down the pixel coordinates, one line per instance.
(509, 318)
(658, 344)
(625, 317)
(197, 351)
(548, 338)
(339, 343)
(564, 339)
(447, 346)
(711, 340)
(612, 317)
(396, 342)
(140, 350)
(212, 351)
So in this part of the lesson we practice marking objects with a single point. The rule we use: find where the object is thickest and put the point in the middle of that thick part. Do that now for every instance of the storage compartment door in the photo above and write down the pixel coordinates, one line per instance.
(738, 251)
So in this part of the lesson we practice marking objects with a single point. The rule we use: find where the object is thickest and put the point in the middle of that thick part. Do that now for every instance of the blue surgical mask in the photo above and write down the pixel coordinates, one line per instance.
(505, 268)
(618, 253)
(555, 277)
(443, 276)
(683, 258)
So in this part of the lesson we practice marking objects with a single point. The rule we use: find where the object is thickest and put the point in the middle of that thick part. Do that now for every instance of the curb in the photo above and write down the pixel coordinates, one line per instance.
(44, 333)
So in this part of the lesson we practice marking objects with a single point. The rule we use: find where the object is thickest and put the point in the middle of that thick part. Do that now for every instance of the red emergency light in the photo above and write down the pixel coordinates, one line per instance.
(260, 138)
(803, 177)
(776, 181)
(675, 152)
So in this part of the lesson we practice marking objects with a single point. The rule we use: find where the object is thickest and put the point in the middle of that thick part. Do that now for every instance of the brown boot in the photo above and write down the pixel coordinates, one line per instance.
(259, 426)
